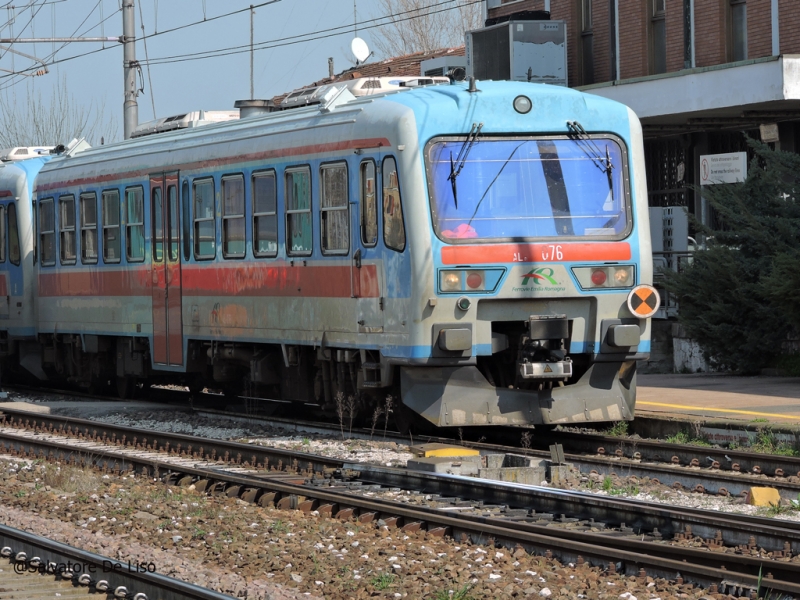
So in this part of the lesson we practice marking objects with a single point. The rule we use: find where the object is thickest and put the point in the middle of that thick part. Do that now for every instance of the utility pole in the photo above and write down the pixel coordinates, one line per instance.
(130, 108)
(252, 14)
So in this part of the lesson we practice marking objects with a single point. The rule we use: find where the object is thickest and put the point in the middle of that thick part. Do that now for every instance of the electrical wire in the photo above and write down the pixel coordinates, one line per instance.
(311, 36)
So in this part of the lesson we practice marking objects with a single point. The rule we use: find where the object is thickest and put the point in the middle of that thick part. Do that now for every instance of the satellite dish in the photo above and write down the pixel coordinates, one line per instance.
(360, 49)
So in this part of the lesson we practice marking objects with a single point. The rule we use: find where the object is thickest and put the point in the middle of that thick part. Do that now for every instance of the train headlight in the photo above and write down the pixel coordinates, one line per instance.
(606, 276)
(622, 275)
(450, 281)
(523, 105)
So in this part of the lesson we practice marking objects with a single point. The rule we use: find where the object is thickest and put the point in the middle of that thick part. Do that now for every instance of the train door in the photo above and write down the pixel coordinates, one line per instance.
(366, 266)
(5, 275)
(167, 295)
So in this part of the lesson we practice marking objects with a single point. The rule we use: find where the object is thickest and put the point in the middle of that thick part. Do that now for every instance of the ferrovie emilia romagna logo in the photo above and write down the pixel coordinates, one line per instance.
(539, 280)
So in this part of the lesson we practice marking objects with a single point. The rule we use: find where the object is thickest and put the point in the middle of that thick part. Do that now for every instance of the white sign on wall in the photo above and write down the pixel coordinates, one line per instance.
(723, 168)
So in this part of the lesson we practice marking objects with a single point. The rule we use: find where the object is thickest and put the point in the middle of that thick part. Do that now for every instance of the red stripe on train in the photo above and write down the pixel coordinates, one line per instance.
(510, 253)
(273, 280)
(218, 162)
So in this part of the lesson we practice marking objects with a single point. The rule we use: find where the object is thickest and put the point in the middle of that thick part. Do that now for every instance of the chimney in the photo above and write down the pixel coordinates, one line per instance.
(254, 108)
(330, 67)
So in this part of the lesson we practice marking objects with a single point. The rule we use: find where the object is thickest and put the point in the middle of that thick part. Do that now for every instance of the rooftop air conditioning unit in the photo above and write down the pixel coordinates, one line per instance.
(534, 51)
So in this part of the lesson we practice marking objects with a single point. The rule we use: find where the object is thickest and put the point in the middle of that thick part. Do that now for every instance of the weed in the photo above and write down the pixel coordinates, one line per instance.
(387, 410)
(279, 527)
(306, 441)
(682, 437)
(759, 420)
(608, 485)
(351, 411)
(767, 442)
(525, 440)
(198, 533)
(382, 581)
(618, 429)
(340, 410)
(70, 479)
(20, 494)
(82, 498)
(375, 416)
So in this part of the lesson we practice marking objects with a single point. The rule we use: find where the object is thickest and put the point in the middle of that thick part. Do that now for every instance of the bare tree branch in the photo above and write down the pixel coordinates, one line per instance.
(33, 121)
(431, 28)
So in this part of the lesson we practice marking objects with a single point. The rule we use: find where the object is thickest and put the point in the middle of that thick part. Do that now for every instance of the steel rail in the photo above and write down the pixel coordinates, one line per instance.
(633, 554)
(35, 554)
(251, 454)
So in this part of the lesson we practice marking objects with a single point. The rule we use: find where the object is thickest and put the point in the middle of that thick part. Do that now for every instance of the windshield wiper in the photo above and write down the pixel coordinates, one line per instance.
(461, 159)
(486, 191)
(591, 150)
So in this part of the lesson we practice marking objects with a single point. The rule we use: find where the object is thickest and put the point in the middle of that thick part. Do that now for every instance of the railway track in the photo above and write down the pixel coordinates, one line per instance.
(576, 527)
(36, 567)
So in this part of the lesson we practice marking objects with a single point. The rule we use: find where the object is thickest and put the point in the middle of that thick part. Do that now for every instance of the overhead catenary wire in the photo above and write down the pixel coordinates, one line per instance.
(374, 23)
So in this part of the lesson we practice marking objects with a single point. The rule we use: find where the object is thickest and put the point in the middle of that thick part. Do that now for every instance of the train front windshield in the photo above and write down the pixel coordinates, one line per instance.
(513, 189)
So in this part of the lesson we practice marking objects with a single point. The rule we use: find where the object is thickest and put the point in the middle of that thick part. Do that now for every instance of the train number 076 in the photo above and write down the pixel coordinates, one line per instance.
(553, 253)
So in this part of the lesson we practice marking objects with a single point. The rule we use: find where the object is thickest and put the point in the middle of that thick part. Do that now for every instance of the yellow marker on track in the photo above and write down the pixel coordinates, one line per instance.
(720, 410)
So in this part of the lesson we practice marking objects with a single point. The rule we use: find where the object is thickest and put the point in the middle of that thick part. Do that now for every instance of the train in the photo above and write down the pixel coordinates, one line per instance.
(467, 253)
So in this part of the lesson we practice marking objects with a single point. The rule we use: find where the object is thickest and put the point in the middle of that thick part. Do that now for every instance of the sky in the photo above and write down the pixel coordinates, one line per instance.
(181, 31)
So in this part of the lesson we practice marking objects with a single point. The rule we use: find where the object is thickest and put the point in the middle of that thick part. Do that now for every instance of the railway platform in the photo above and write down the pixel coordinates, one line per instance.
(716, 402)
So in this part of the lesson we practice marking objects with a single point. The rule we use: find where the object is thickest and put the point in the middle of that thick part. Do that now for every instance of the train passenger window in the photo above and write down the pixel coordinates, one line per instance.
(134, 225)
(2, 233)
(299, 240)
(394, 232)
(67, 224)
(334, 209)
(205, 231)
(13, 235)
(187, 224)
(47, 231)
(88, 228)
(111, 238)
(158, 225)
(233, 230)
(369, 204)
(265, 215)
(173, 224)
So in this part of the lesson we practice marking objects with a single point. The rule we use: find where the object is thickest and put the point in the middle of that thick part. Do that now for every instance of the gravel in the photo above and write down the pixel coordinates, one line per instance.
(253, 552)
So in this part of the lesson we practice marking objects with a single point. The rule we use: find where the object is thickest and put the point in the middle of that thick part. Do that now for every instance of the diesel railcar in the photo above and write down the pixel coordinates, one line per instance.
(479, 252)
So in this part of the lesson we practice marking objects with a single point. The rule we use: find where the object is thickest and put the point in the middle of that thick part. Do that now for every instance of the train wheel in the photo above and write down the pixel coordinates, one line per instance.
(126, 387)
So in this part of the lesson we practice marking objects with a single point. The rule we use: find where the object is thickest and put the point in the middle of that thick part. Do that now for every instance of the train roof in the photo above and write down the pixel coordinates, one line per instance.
(439, 109)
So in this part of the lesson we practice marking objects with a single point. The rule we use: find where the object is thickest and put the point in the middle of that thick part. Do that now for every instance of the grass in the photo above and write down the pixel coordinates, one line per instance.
(683, 437)
(382, 581)
(613, 490)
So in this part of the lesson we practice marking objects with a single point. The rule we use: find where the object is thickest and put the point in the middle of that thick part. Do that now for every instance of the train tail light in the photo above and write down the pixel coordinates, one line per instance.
(462, 281)
(605, 276)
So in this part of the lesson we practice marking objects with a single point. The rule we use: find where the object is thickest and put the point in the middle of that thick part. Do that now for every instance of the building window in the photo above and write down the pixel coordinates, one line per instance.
(658, 37)
(298, 211)
(369, 205)
(587, 40)
(334, 213)
(13, 235)
(134, 226)
(205, 230)
(233, 231)
(67, 223)
(47, 231)
(394, 231)
(265, 215)
(111, 237)
(89, 228)
(738, 30)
